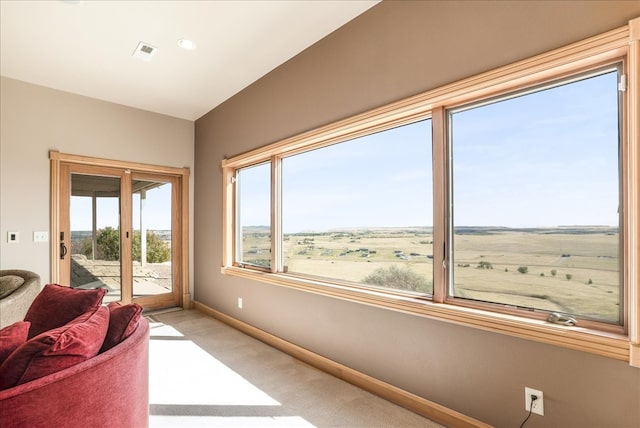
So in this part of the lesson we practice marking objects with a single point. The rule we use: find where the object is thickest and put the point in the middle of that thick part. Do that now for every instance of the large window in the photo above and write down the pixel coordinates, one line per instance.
(507, 201)
(535, 188)
(361, 211)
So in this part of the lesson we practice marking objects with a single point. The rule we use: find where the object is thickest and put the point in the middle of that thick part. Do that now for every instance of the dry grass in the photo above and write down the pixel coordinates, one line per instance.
(589, 256)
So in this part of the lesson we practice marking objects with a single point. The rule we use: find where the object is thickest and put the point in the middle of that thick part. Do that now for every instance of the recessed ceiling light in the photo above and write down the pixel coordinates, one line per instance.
(187, 44)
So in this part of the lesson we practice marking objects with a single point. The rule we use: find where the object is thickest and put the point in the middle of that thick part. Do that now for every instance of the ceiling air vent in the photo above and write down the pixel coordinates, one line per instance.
(144, 51)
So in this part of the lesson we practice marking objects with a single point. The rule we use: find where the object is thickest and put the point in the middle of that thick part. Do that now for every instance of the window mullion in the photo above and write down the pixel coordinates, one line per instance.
(438, 123)
(276, 215)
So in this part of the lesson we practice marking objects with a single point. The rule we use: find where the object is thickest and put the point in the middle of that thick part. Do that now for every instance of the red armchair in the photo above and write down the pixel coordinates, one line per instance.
(108, 390)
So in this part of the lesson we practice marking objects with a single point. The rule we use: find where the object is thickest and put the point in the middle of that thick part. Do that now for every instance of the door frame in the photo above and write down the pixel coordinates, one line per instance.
(180, 214)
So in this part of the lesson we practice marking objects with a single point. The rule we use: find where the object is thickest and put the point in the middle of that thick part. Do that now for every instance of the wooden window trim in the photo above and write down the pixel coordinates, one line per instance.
(621, 43)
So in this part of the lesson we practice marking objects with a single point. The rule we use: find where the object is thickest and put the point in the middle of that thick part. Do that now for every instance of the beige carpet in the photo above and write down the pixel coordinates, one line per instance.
(204, 373)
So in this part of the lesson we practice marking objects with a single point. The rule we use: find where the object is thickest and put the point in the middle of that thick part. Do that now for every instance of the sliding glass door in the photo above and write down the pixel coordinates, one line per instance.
(121, 230)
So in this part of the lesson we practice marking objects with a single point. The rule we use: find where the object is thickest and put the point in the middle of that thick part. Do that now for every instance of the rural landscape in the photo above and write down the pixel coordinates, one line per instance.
(568, 269)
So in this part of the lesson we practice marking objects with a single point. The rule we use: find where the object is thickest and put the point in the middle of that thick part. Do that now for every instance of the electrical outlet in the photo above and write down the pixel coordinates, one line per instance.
(239, 302)
(536, 406)
(13, 237)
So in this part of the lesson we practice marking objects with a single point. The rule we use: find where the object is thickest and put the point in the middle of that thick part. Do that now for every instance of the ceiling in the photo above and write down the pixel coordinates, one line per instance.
(86, 47)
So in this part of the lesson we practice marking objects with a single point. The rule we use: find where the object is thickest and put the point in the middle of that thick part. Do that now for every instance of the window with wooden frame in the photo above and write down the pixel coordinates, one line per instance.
(506, 202)
(535, 201)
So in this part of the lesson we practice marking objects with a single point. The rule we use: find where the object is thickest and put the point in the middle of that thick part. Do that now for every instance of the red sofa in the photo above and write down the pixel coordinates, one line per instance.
(108, 390)
(75, 363)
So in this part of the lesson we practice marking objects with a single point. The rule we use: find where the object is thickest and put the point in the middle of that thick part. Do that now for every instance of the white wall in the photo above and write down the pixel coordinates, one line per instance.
(34, 120)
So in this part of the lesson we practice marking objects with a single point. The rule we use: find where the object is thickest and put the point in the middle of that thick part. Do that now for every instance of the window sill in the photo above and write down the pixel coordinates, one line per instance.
(581, 339)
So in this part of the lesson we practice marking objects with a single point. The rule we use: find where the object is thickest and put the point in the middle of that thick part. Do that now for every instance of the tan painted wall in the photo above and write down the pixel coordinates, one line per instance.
(34, 120)
(398, 49)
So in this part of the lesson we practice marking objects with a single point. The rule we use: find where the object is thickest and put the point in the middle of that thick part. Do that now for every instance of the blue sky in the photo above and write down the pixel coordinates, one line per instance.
(354, 184)
(157, 211)
(379, 180)
(545, 159)
(542, 160)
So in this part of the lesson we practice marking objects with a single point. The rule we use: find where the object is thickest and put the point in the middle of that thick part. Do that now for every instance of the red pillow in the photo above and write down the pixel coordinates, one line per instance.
(11, 337)
(122, 322)
(56, 305)
(56, 349)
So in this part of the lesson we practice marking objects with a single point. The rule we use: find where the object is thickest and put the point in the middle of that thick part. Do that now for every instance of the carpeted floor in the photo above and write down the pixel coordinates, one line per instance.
(204, 373)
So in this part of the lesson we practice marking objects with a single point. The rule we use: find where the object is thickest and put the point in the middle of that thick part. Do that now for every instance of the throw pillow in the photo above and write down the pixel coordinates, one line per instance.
(11, 337)
(122, 322)
(57, 349)
(9, 284)
(56, 305)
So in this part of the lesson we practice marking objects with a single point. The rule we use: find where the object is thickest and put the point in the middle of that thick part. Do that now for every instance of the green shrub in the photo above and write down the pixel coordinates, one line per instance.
(485, 265)
(108, 246)
(135, 242)
(395, 277)
(523, 269)
(158, 251)
(86, 247)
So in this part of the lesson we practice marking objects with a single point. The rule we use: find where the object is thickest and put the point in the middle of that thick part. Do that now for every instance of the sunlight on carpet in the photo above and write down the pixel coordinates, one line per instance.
(203, 380)
(203, 373)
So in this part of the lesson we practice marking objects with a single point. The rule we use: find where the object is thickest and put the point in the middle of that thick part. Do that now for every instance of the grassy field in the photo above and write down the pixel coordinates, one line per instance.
(573, 270)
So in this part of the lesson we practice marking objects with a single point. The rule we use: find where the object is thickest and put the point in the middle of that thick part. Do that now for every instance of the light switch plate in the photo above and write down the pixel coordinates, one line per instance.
(40, 236)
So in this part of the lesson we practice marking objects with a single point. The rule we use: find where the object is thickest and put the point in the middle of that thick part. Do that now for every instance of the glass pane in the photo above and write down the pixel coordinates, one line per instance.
(361, 210)
(536, 200)
(151, 252)
(95, 234)
(254, 216)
